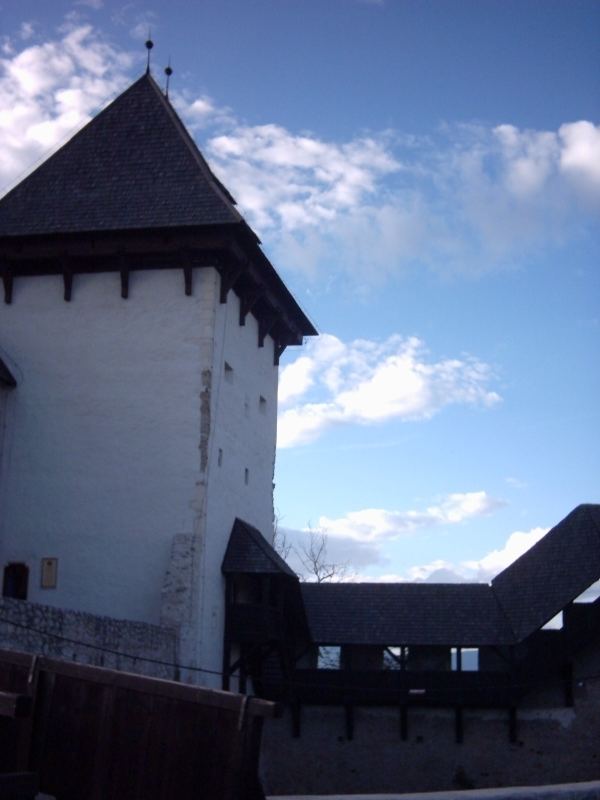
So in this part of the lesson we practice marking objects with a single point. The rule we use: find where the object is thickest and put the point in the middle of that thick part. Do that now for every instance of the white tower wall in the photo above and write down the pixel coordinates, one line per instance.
(126, 431)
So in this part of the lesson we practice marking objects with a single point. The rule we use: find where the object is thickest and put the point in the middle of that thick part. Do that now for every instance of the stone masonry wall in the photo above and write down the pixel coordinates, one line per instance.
(554, 745)
(89, 639)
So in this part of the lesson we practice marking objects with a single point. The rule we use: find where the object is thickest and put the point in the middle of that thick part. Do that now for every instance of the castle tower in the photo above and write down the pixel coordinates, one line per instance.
(142, 326)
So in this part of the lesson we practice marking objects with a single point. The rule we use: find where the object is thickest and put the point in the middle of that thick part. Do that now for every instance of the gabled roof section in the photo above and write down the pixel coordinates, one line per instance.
(555, 571)
(450, 614)
(134, 166)
(249, 552)
(131, 191)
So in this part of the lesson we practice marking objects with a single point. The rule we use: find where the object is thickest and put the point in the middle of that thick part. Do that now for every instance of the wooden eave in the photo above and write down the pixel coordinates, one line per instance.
(228, 248)
(6, 377)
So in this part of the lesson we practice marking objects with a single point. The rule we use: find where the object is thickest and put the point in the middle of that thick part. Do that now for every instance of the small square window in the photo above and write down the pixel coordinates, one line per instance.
(16, 581)
(49, 573)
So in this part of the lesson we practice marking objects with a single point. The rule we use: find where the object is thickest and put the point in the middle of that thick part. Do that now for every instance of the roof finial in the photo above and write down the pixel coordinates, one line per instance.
(149, 46)
(168, 73)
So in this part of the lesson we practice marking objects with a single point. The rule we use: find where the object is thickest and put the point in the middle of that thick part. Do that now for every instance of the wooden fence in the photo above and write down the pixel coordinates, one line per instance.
(89, 733)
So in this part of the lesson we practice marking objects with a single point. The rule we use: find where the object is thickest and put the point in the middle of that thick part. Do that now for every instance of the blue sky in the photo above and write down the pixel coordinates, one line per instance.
(426, 178)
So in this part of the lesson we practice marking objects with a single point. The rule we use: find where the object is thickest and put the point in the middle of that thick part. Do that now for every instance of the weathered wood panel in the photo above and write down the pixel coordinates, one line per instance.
(98, 733)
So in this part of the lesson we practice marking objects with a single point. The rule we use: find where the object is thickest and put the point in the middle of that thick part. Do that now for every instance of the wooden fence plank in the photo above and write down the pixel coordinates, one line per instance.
(14, 705)
(98, 733)
(18, 786)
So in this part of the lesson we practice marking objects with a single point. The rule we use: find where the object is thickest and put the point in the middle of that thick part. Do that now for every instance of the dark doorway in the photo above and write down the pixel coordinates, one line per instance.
(16, 579)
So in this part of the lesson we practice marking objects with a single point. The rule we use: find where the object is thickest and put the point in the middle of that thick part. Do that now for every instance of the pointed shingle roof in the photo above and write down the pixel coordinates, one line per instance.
(552, 573)
(132, 191)
(249, 552)
(134, 166)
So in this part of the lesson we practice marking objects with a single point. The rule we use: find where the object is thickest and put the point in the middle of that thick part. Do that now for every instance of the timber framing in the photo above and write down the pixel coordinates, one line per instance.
(230, 249)
(411, 646)
(132, 191)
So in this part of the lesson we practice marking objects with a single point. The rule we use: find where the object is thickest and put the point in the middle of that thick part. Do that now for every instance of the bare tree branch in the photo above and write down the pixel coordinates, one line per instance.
(281, 543)
(313, 557)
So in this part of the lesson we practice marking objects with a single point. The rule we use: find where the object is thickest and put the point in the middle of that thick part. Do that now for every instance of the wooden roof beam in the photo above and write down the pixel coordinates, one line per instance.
(7, 281)
(229, 276)
(248, 300)
(6, 377)
(265, 325)
(138, 242)
(67, 274)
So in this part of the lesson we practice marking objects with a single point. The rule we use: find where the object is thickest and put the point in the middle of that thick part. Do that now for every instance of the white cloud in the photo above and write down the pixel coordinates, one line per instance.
(350, 553)
(366, 382)
(580, 153)
(480, 570)
(200, 111)
(27, 30)
(142, 29)
(470, 200)
(370, 553)
(467, 199)
(47, 91)
(296, 379)
(528, 158)
(377, 524)
(95, 4)
(293, 181)
(486, 568)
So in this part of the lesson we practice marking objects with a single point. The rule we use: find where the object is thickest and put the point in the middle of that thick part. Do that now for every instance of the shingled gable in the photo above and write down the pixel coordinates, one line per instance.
(249, 552)
(134, 166)
(131, 190)
(449, 614)
(519, 601)
(555, 571)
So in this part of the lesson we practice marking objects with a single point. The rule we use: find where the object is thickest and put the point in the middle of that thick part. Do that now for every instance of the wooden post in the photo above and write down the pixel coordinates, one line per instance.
(349, 719)
(567, 671)
(295, 708)
(227, 634)
(458, 724)
(243, 673)
(512, 724)
(7, 280)
(26, 726)
(45, 690)
(404, 722)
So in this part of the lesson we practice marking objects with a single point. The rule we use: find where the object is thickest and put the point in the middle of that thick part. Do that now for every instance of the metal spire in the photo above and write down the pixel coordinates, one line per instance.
(149, 46)
(168, 73)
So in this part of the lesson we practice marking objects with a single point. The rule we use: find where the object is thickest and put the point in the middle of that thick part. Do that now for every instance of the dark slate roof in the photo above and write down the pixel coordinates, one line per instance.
(134, 166)
(6, 377)
(552, 573)
(249, 552)
(405, 614)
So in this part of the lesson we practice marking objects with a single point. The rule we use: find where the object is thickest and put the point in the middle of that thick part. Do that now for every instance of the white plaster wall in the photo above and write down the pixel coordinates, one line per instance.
(244, 430)
(101, 463)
